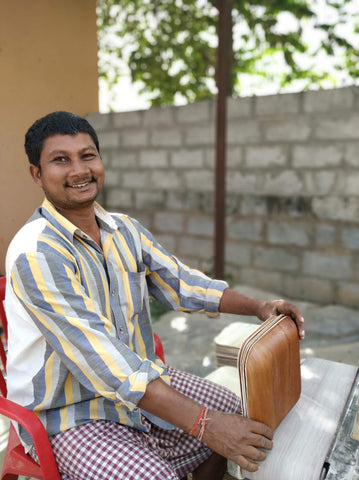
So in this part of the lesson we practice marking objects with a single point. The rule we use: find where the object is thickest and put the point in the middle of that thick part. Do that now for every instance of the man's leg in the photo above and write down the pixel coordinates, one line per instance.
(104, 450)
(107, 451)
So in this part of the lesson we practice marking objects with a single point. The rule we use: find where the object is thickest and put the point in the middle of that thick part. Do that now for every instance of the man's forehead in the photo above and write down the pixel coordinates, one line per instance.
(66, 142)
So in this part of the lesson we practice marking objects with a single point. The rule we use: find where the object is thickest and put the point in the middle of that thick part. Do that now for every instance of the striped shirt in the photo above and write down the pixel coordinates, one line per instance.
(80, 337)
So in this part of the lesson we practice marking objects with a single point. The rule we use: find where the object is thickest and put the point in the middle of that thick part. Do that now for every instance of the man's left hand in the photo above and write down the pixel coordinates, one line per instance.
(277, 307)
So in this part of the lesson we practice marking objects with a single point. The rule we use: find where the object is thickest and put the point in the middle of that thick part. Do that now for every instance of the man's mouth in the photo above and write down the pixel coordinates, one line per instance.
(81, 185)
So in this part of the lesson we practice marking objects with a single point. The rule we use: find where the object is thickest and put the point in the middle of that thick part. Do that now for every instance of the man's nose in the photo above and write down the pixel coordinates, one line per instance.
(79, 167)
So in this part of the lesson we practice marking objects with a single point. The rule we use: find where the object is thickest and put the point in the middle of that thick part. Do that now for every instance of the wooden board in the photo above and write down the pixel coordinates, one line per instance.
(303, 439)
(269, 371)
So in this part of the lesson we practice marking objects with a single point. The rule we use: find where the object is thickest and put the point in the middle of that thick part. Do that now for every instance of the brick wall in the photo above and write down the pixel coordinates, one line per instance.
(292, 187)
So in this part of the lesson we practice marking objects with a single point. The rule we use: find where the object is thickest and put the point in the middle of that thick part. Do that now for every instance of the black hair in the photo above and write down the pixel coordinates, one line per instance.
(63, 123)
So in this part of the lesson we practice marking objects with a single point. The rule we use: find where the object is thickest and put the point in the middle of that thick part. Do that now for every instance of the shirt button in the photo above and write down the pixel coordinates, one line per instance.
(121, 329)
(113, 292)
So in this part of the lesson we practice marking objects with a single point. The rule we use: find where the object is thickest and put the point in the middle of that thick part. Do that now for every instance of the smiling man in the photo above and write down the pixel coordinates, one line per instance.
(81, 350)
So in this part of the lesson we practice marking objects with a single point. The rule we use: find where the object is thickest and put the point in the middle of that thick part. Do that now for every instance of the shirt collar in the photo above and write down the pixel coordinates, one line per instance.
(68, 228)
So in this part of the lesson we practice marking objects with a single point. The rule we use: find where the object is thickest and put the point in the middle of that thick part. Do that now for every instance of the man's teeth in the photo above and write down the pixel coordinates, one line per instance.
(80, 185)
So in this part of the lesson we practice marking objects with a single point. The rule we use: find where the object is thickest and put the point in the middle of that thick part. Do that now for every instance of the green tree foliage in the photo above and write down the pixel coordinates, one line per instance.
(169, 46)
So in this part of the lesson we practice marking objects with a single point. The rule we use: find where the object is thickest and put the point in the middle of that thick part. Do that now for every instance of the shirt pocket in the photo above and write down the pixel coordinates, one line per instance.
(135, 289)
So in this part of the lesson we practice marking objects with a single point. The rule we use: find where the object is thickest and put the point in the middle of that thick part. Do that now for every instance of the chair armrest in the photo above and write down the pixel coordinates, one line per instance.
(159, 347)
(32, 424)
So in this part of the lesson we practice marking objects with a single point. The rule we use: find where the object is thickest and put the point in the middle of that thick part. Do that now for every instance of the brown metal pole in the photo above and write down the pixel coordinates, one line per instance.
(221, 133)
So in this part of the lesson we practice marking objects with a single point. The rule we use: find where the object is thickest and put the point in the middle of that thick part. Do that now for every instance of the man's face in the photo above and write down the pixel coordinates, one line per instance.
(71, 173)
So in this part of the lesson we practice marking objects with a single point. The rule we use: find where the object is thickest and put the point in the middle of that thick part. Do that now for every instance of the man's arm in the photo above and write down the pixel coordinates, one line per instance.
(171, 282)
(230, 435)
(234, 302)
(182, 288)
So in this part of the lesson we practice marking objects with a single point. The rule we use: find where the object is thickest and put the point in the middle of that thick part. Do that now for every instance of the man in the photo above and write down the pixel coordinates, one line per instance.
(81, 350)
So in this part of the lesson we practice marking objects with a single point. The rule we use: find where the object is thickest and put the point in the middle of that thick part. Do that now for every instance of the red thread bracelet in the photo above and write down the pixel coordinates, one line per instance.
(197, 421)
(203, 422)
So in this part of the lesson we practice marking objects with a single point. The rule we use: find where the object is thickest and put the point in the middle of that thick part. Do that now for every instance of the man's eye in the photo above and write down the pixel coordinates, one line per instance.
(60, 159)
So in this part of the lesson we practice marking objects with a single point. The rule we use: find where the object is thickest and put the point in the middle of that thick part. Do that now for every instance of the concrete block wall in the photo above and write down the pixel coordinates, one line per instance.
(292, 213)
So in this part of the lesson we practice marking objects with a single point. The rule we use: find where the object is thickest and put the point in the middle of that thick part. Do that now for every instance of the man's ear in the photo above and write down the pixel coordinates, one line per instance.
(36, 174)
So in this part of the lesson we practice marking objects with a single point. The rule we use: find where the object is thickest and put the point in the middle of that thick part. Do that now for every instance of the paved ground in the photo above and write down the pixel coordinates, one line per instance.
(332, 332)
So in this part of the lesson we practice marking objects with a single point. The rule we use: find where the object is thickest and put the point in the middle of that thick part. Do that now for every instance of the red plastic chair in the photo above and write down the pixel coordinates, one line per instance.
(16, 461)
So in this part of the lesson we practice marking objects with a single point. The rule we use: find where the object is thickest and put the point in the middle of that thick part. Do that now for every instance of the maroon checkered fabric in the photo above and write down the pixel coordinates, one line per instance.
(104, 450)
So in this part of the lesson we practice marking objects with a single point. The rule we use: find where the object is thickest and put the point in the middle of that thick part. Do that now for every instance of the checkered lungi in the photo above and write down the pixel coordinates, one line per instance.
(104, 450)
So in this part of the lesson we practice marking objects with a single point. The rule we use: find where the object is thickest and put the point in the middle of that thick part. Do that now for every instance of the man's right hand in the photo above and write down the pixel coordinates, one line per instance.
(238, 439)
(230, 435)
